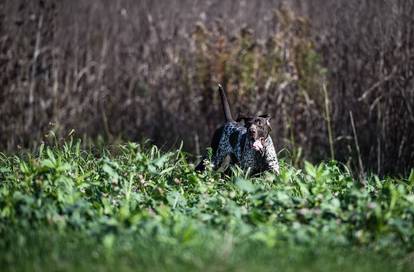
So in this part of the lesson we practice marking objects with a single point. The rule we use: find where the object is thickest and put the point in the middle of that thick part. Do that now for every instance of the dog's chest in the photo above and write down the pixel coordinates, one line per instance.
(250, 158)
(236, 141)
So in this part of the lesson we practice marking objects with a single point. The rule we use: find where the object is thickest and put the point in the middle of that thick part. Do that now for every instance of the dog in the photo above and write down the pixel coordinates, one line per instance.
(248, 145)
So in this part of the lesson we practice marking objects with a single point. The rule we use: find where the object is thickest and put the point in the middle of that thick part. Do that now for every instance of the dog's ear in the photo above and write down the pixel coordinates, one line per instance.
(267, 117)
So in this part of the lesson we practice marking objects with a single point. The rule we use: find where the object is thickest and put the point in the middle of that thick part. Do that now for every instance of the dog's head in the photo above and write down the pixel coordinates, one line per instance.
(258, 129)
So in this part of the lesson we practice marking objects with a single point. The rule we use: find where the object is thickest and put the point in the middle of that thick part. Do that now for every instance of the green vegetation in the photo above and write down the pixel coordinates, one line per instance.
(136, 208)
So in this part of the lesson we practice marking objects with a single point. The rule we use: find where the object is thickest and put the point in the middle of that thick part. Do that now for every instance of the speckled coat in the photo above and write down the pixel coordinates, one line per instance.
(233, 140)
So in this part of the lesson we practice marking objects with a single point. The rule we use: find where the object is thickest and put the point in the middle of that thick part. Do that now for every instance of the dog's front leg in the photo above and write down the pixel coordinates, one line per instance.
(271, 156)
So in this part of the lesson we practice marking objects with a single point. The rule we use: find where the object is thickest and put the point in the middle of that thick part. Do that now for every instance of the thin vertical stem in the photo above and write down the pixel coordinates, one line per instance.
(32, 85)
(361, 166)
(328, 121)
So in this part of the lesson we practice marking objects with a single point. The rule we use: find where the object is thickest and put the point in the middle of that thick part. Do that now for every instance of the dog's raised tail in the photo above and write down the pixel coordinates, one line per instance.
(225, 103)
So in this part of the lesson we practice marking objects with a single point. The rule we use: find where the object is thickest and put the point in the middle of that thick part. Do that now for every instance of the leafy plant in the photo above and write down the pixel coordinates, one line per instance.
(141, 191)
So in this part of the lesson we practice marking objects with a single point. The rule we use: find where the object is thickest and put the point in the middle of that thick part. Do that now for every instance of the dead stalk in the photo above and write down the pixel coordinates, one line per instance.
(361, 166)
(328, 121)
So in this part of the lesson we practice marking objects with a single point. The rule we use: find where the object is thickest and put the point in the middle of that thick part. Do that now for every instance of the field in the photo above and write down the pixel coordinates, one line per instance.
(83, 84)
(133, 207)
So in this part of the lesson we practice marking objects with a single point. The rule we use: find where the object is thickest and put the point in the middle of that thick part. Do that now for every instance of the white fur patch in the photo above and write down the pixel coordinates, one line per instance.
(257, 145)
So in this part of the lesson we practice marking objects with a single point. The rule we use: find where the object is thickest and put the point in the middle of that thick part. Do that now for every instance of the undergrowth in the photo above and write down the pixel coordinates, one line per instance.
(135, 207)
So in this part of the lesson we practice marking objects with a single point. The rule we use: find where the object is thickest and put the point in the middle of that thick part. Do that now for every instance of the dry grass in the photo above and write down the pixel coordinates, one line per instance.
(144, 69)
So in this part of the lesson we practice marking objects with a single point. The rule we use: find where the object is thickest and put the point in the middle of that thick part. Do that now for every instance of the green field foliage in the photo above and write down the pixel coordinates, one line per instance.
(134, 207)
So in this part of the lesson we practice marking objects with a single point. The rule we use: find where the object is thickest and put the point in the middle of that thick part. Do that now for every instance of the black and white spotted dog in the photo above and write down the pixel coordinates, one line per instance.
(248, 145)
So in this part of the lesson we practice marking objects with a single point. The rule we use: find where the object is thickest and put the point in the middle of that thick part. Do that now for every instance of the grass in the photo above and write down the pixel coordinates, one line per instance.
(137, 208)
(73, 252)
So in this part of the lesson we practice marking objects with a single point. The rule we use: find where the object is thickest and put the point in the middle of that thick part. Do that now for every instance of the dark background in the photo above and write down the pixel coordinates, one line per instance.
(127, 70)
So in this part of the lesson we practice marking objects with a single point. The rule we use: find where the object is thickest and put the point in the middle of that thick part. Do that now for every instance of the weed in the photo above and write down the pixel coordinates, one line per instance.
(138, 197)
